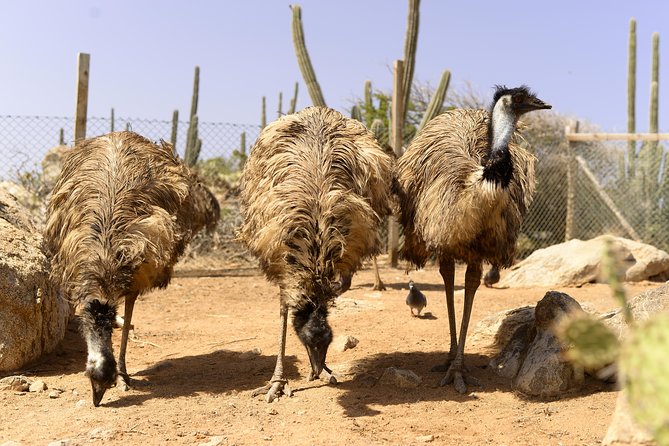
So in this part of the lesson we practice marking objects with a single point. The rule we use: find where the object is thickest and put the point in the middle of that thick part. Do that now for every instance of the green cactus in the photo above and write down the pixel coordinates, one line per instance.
(631, 96)
(645, 370)
(410, 44)
(592, 344)
(240, 154)
(128, 128)
(380, 132)
(355, 113)
(61, 137)
(437, 100)
(193, 143)
(263, 114)
(303, 59)
(369, 104)
(293, 101)
(175, 128)
(279, 112)
(654, 83)
(112, 120)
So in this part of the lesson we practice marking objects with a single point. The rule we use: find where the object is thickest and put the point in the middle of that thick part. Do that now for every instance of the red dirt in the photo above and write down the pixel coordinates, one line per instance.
(194, 356)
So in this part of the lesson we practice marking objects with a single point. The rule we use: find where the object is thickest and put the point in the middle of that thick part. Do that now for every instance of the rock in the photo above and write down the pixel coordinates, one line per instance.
(81, 403)
(18, 383)
(643, 306)
(54, 394)
(576, 262)
(344, 342)
(11, 443)
(405, 379)
(214, 441)
(52, 164)
(37, 386)
(623, 429)
(66, 442)
(495, 331)
(425, 438)
(532, 356)
(34, 314)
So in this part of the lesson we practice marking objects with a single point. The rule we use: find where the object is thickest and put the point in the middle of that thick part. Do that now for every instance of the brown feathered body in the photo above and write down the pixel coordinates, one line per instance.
(314, 190)
(447, 207)
(120, 215)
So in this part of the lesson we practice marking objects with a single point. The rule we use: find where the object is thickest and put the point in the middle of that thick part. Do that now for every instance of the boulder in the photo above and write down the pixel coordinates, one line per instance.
(34, 314)
(52, 164)
(577, 262)
(529, 352)
(643, 306)
(623, 429)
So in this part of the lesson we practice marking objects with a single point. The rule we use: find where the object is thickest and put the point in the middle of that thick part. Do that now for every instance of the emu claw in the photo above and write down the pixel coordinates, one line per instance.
(459, 378)
(123, 381)
(274, 389)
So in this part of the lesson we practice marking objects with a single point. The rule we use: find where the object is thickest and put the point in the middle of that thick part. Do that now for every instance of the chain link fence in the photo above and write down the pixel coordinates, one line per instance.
(617, 187)
(24, 140)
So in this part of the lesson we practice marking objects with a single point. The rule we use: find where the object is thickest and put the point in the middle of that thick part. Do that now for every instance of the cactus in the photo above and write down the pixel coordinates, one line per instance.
(193, 143)
(303, 59)
(279, 112)
(240, 154)
(61, 137)
(355, 113)
(410, 43)
(128, 127)
(175, 128)
(380, 132)
(369, 104)
(112, 120)
(631, 97)
(263, 114)
(293, 102)
(654, 84)
(437, 100)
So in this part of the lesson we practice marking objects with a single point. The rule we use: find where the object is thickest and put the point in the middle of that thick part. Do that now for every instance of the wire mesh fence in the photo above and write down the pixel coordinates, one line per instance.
(617, 187)
(24, 140)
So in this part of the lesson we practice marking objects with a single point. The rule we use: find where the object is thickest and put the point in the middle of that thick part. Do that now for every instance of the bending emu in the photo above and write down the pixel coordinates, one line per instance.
(120, 215)
(464, 185)
(313, 193)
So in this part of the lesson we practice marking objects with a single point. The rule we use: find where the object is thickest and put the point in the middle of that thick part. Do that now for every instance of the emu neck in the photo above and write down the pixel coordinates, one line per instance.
(502, 125)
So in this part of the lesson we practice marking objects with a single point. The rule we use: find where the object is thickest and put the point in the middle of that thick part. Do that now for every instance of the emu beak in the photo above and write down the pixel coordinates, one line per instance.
(317, 360)
(538, 104)
(98, 392)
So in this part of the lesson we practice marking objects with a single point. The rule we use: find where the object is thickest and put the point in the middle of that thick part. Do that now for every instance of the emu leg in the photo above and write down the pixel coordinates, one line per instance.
(378, 283)
(447, 271)
(456, 372)
(278, 385)
(123, 381)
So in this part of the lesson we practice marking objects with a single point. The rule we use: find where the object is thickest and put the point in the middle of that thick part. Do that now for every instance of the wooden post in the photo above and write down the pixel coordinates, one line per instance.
(397, 124)
(569, 219)
(83, 64)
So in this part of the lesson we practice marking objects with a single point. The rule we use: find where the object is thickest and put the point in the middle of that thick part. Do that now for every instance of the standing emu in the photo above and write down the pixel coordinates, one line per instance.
(313, 193)
(464, 186)
(120, 215)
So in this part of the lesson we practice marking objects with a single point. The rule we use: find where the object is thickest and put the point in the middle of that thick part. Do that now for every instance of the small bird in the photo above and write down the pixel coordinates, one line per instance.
(415, 299)
(491, 277)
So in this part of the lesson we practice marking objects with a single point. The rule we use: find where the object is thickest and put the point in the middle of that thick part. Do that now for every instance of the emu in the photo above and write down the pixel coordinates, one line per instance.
(120, 215)
(464, 186)
(313, 192)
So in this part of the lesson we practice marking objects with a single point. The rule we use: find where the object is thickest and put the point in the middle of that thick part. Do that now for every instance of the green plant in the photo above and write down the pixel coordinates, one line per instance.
(410, 44)
(303, 59)
(263, 113)
(293, 101)
(193, 142)
(175, 128)
(437, 101)
(279, 112)
(61, 137)
(112, 120)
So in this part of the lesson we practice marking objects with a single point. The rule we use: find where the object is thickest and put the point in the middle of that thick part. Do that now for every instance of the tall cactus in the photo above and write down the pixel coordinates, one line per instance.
(61, 137)
(380, 132)
(369, 104)
(410, 43)
(437, 100)
(654, 84)
(355, 113)
(303, 59)
(279, 111)
(631, 97)
(175, 129)
(263, 113)
(293, 101)
(193, 143)
(112, 120)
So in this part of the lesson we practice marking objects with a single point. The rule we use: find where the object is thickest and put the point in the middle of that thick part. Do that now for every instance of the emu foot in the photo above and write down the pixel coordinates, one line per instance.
(330, 378)
(459, 375)
(123, 381)
(275, 388)
(379, 286)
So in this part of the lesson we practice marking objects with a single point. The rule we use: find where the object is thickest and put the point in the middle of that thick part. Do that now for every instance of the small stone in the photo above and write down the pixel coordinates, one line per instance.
(17, 383)
(425, 438)
(80, 404)
(54, 394)
(37, 386)
(65, 442)
(344, 342)
(214, 441)
(405, 379)
(272, 411)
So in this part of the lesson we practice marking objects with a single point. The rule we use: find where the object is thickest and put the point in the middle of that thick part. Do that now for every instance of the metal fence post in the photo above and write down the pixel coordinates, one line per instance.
(396, 143)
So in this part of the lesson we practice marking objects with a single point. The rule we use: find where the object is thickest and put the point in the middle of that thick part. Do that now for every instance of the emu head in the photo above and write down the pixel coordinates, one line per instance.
(97, 321)
(517, 101)
(311, 325)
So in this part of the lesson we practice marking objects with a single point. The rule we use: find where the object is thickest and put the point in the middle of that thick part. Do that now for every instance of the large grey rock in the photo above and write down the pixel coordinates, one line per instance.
(531, 354)
(576, 262)
(643, 306)
(34, 315)
(623, 429)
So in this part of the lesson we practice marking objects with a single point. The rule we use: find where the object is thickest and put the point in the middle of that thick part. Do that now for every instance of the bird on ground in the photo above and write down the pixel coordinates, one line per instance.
(491, 277)
(464, 185)
(416, 300)
(121, 213)
(314, 191)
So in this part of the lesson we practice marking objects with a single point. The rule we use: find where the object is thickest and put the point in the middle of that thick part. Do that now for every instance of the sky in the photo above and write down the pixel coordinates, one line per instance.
(143, 54)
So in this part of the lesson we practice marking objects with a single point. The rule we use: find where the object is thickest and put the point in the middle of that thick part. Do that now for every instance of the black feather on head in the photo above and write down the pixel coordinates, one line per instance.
(502, 90)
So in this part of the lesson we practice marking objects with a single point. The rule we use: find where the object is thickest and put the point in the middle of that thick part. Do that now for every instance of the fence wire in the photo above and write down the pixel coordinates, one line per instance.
(619, 187)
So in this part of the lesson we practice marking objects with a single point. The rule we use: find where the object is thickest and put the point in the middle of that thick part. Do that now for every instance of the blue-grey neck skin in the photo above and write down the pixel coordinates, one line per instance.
(503, 124)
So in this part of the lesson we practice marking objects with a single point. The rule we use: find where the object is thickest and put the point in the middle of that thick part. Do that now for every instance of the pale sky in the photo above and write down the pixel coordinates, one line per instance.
(573, 53)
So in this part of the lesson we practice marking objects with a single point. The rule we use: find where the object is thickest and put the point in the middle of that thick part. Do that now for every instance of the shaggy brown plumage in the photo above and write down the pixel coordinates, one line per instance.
(120, 215)
(464, 185)
(313, 193)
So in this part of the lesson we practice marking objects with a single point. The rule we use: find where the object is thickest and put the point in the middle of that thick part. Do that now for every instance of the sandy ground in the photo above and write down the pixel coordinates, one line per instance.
(204, 343)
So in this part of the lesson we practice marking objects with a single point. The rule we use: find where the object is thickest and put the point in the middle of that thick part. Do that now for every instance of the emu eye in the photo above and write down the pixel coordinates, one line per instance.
(516, 99)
